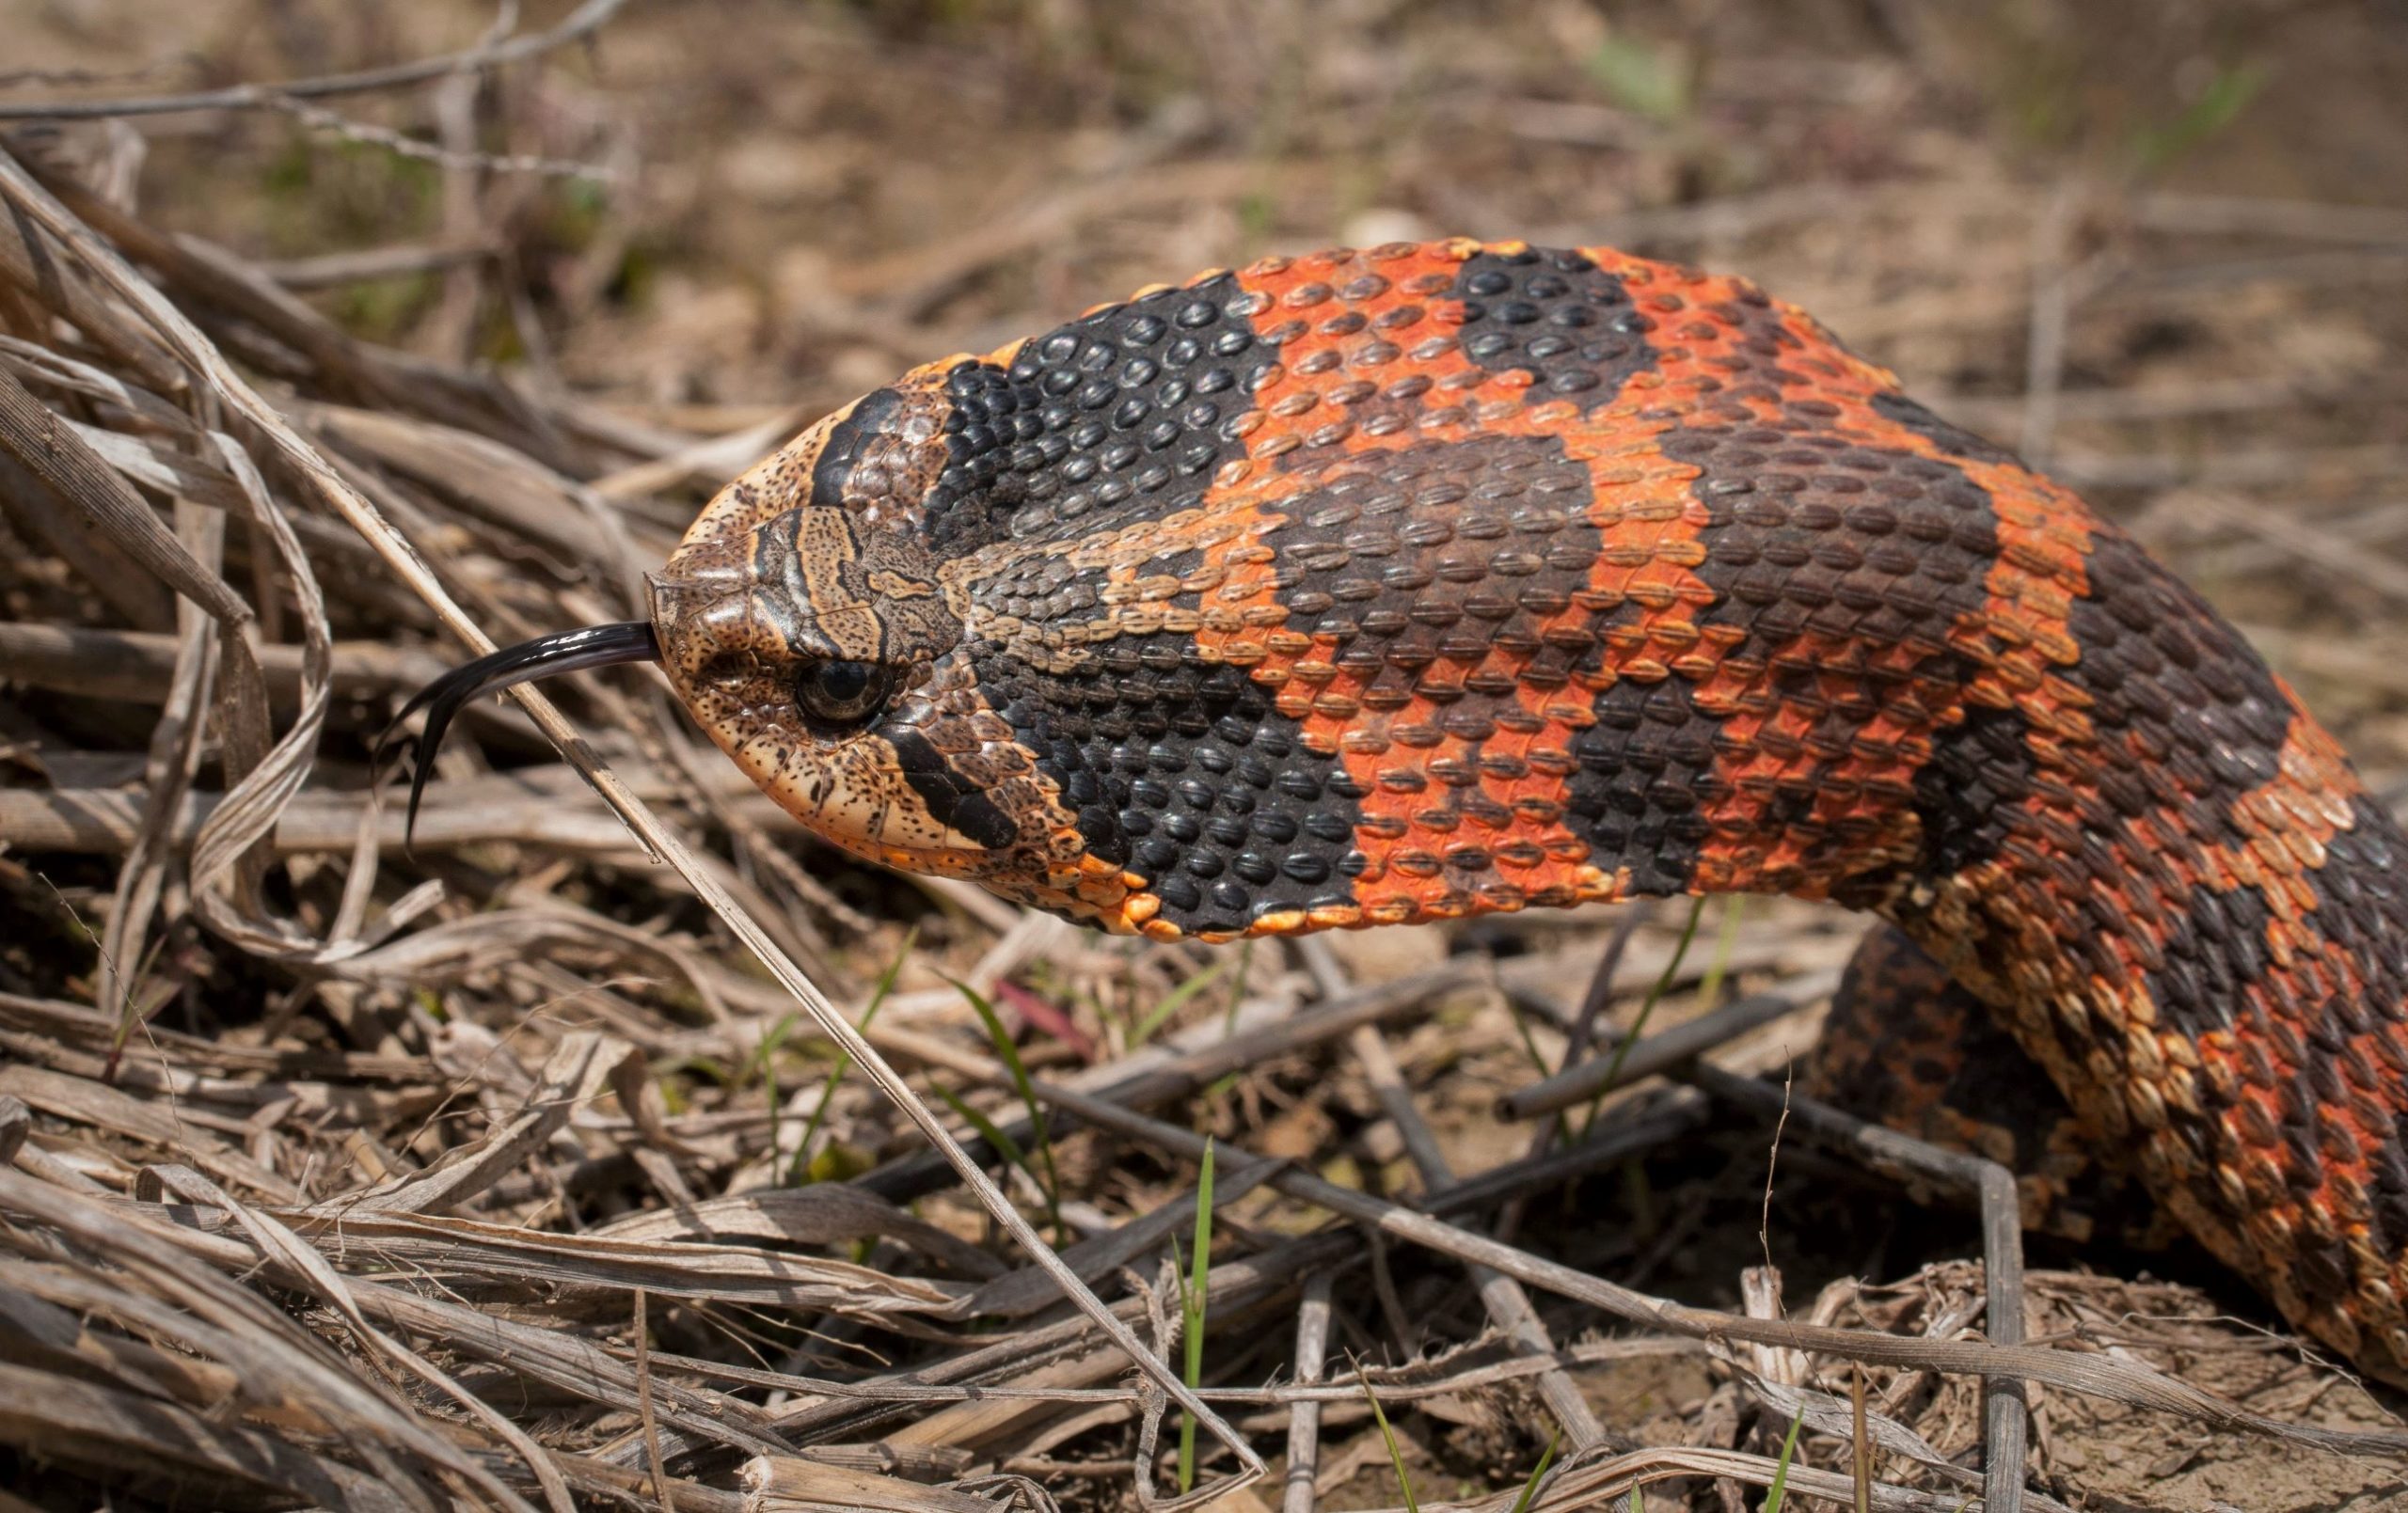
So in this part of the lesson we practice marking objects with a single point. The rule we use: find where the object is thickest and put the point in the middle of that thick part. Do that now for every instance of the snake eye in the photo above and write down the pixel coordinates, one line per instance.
(843, 694)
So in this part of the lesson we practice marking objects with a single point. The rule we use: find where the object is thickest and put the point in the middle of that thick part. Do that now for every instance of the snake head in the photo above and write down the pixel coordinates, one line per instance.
(812, 626)
(808, 645)
(813, 630)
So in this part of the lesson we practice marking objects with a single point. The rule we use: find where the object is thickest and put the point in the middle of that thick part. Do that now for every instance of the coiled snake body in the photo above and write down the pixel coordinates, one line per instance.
(1368, 588)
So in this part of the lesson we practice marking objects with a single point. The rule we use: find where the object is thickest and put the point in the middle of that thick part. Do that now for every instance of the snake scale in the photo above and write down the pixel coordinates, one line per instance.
(1377, 586)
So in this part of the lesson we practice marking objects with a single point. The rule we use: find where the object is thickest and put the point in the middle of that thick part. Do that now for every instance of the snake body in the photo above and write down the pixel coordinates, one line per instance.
(1370, 588)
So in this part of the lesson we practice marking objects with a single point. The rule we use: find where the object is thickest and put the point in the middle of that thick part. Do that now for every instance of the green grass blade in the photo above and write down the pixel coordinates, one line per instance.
(1237, 989)
(1538, 1060)
(1172, 1001)
(800, 1171)
(1655, 995)
(1051, 1184)
(990, 1131)
(763, 1064)
(1396, 1452)
(1193, 1297)
(1726, 940)
(1538, 1473)
(1780, 1488)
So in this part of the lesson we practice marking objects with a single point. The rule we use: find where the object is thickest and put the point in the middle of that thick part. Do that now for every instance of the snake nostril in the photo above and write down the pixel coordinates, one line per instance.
(726, 670)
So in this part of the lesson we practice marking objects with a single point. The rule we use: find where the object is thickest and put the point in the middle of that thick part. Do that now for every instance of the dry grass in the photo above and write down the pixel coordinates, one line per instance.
(518, 1171)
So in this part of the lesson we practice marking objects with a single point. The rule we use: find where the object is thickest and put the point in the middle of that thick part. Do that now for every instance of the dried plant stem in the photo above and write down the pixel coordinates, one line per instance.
(1304, 1419)
(2122, 1381)
(1508, 1307)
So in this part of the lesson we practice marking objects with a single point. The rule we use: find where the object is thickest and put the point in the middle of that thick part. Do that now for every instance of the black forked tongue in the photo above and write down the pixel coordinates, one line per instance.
(595, 646)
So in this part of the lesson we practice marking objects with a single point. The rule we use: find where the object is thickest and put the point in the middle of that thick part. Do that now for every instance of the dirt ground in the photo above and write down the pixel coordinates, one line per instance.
(2160, 247)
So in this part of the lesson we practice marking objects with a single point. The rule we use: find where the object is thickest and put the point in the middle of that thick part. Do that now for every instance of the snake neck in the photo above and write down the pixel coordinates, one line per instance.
(2177, 895)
